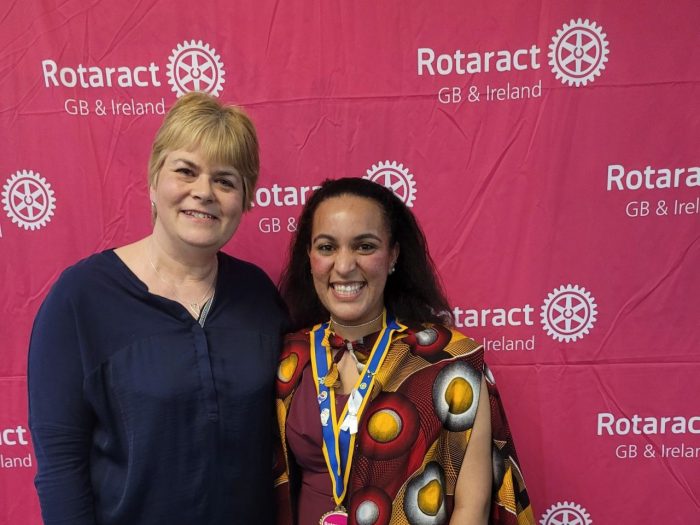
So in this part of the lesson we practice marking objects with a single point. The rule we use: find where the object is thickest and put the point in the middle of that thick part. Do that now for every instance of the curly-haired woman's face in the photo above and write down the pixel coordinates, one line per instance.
(351, 257)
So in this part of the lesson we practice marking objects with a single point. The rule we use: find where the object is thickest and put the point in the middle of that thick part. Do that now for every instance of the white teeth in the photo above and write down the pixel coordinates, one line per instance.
(199, 215)
(347, 288)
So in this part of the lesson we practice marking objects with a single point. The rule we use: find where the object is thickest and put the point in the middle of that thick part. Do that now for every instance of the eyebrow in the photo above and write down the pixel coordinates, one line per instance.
(232, 172)
(361, 237)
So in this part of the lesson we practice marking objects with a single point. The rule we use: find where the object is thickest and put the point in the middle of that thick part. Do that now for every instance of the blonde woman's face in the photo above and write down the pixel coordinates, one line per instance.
(198, 204)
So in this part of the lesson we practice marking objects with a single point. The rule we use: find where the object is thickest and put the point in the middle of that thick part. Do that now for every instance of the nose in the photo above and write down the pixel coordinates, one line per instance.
(202, 188)
(345, 262)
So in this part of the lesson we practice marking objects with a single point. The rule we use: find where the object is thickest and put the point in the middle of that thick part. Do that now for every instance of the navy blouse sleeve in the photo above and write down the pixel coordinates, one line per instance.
(60, 421)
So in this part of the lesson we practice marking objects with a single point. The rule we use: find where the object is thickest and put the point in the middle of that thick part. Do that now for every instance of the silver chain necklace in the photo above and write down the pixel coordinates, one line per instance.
(336, 323)
(194, 306)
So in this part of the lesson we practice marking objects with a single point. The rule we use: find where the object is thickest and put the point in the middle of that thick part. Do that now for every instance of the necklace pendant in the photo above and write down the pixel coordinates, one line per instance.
(194, 307)
(339, 516)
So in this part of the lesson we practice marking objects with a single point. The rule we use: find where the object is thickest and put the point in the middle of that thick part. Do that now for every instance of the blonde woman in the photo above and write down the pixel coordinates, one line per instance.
(151, 365)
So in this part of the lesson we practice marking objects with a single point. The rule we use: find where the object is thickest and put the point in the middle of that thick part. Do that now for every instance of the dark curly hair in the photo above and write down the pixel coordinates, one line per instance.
(413, 292)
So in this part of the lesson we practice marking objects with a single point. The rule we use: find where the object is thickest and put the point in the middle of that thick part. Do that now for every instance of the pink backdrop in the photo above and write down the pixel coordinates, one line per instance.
(549, 149)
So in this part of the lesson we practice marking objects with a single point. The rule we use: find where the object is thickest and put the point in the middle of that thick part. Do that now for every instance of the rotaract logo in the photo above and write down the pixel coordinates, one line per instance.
(28, 200)
(578, 52)
(194, 66)
(394, 176)
(568, 313)
(566, 513)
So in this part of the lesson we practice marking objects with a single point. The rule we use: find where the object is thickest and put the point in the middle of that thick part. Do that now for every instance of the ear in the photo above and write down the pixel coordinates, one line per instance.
(152, 192)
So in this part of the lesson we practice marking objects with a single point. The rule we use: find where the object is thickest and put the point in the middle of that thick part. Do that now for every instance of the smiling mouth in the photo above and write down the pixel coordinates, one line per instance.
(347, 289)
(199, 214)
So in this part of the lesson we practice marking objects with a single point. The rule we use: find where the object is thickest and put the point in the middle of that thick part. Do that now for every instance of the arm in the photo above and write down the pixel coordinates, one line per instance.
(473, 490)
(59, 419)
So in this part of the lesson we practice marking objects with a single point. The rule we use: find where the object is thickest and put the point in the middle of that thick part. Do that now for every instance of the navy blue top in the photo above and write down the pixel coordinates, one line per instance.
(138, 414)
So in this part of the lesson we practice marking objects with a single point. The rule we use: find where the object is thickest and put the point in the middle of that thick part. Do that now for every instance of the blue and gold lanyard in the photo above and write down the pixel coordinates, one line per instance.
(339, 439)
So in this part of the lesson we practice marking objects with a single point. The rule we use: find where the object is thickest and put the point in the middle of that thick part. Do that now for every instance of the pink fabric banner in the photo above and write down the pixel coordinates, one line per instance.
(549, 151)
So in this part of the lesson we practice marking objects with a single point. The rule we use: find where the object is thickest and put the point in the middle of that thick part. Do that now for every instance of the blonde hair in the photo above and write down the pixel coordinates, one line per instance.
(224, 134)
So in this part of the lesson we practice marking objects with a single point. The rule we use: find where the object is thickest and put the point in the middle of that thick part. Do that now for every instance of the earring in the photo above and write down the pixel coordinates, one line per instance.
(392, 269)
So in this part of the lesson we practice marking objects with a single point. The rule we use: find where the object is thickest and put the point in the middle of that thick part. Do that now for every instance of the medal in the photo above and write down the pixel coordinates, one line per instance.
(339, 432)
(339, 516)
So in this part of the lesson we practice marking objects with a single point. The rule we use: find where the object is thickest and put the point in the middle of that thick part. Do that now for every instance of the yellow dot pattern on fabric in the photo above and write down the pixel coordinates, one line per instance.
(287, 368)
(384, 425)
(459, 395)
(430, 497)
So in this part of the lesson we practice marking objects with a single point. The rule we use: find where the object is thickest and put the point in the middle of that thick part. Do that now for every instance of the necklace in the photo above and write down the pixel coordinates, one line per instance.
(336, 323)
(194, 306)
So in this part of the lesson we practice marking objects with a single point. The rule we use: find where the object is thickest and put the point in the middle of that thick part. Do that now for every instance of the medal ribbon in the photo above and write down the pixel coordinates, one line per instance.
(339, 440)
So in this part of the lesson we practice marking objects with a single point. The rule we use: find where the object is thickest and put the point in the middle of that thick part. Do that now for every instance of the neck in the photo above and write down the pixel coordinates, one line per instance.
(354, 331)
(180, 267)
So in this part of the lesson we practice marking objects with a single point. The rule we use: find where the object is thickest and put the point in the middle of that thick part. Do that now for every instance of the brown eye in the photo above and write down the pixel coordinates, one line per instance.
(228, 183)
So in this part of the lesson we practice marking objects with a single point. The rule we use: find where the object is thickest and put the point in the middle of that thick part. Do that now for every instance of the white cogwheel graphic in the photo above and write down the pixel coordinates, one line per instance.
(194, 66)
(395, 177)
(566, 514)
(568, 313)
(28, 200)
(578, 52)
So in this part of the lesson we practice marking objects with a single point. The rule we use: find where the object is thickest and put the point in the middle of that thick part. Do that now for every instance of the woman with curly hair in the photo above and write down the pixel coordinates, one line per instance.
(387, 415)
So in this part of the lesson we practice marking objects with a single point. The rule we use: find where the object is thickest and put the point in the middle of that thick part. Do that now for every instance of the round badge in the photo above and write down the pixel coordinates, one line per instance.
(336, 517)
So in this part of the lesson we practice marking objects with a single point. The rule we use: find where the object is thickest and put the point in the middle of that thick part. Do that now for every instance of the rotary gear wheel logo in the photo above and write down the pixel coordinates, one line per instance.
(194, 66)
(395, 177)
(566, 514)
(568, 313)
(578, 52)
(28, 200)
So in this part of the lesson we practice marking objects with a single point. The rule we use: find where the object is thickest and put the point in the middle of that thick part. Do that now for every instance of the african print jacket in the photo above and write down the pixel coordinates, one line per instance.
(424, 365)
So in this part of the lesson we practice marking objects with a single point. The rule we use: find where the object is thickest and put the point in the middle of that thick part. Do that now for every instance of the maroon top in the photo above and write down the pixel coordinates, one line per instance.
(305, 439)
